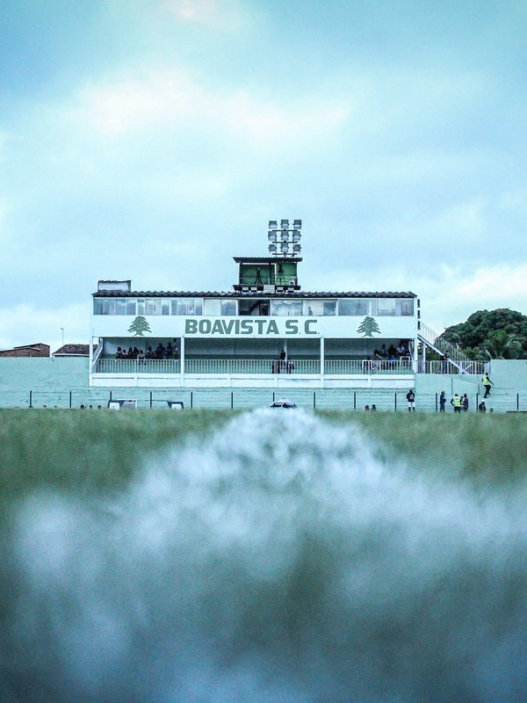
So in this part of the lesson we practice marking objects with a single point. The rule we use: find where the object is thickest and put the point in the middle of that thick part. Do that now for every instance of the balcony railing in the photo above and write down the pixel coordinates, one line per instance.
(255, 367)
(305, 367)
(347, 367)
(135, 366)
(459, 367)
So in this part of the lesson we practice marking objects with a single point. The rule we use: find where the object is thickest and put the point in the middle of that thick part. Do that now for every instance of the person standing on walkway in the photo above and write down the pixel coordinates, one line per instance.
(442, 402)
(487, 383)
(456, 402)
(464, 402)
(410, 397)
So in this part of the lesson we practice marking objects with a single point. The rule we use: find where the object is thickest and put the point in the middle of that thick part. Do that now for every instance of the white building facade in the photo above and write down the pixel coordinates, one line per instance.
(266, 332)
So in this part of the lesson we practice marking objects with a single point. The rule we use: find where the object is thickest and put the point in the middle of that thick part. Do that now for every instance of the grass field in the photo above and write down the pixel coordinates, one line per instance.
(288, 556)
(90, 451)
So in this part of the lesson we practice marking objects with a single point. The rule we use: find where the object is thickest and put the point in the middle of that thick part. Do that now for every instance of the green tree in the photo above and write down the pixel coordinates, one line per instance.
(368, 327)
(139, 326)
(502, 345)
(478, 337)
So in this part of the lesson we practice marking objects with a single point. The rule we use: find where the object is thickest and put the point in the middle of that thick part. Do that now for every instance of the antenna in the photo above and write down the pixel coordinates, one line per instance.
(284, 239)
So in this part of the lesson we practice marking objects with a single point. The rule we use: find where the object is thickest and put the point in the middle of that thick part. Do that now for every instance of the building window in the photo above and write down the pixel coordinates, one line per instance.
(229, 308)
(108, 306)
(354, 307)
(152, 306)
(383, 307)
(405, 306)
(219, 306)
(120, 306)
(187, 306)
(286, 308)
(317, 308)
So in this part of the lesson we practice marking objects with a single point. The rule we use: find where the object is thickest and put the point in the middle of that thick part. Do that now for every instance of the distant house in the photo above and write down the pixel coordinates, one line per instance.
(74, 350)
(28, 350)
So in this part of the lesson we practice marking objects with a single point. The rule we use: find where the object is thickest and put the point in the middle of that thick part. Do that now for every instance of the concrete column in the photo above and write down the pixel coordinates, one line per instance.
(182, 360)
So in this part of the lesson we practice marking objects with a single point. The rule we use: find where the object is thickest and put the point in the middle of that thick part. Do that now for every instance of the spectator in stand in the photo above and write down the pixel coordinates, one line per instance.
(141, 357)
(119, 353)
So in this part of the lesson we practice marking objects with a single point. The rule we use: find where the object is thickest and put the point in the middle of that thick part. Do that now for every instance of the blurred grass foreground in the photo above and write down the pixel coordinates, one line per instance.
(271, 555)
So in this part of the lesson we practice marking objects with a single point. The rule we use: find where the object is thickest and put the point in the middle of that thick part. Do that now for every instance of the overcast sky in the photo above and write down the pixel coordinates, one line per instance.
(154, 139)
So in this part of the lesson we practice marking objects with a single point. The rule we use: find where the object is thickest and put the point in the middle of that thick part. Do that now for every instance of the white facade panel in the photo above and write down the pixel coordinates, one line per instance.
(338, 327)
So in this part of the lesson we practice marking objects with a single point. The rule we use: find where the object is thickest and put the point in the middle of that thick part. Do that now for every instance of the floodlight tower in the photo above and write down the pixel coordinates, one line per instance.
(284, 240)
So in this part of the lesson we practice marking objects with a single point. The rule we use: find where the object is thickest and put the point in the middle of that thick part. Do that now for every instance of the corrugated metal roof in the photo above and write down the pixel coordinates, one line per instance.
(266, 259)
(74, 350)
(252, 294)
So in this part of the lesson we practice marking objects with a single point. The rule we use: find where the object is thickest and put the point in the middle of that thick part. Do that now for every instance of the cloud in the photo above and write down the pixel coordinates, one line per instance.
(448, 294)
(212, 13)
(458, 292)
(30, 324)
(169, 100)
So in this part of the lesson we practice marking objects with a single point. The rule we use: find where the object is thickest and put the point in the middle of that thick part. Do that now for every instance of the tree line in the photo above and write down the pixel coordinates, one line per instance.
(491, 334)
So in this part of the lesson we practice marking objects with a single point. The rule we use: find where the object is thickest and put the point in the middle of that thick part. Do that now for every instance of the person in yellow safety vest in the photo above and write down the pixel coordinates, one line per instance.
(456, 402)
(487, 383)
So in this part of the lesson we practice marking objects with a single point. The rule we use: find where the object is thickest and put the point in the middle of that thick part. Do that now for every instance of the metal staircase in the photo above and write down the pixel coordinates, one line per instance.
(435, 342)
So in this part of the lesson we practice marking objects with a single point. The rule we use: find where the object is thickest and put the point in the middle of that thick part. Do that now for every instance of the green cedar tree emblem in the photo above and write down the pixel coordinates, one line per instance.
(139, 326)
(368, 327)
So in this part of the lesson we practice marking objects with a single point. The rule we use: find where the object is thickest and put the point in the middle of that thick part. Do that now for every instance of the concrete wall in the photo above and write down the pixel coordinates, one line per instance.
(63, 382)
(509, 375)
(51, 378)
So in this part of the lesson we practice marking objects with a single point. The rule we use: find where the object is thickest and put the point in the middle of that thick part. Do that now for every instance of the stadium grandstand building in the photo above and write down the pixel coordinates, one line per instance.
(265, 332)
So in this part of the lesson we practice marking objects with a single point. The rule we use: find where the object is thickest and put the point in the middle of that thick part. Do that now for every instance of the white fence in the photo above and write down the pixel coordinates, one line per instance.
(304, 367)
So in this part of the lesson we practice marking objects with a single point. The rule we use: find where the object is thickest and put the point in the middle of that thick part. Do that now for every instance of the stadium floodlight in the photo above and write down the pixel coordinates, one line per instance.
(284, 238)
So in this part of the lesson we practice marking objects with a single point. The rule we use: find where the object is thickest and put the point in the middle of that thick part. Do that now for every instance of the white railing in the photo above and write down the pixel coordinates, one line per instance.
(348, 367)
(96, 354)
(251, 366)
(460, 367)
(309, 367)
(435, 341)
(134, 366)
